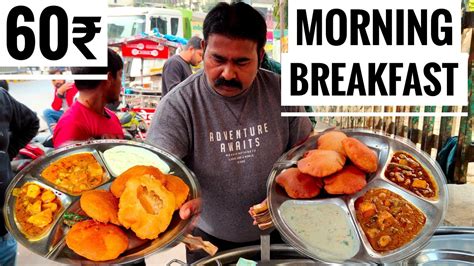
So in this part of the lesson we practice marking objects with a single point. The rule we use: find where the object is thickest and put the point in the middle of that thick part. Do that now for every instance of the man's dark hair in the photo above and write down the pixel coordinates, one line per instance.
(4, 84)
(114, 64)
(194, 42)
(236, 20)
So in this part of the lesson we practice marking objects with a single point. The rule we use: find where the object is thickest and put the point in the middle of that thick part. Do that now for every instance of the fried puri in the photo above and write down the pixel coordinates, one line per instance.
(332, 141)
(298, 185)
(146, 206)
(100, 205)
(173, 183)
(360, 154)
(347, 181)
(97, 241)
(321, 163)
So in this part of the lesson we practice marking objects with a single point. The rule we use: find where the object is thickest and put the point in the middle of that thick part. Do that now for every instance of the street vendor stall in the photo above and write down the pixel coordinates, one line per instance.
(142, 90)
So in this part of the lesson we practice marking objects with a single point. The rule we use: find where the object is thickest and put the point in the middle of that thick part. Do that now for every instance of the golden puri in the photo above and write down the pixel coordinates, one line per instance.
(97, 241)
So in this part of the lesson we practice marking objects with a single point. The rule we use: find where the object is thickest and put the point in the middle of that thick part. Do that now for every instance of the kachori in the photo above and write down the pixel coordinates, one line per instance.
(173, 183)
(146, 206)
(360, 154)
(97, 241)
(332, 140)
(100, 205)
(298, 185)
(321, 163)
(75, 173)
(347, 181)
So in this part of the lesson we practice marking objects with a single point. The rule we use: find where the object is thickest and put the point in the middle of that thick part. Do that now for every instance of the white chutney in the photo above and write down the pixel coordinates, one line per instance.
(323, 227)
(121, 158)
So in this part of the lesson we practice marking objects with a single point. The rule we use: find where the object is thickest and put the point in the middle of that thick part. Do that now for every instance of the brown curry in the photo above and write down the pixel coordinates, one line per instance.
(388, 220)
(35, 209)
(405, 171)
(75, 173)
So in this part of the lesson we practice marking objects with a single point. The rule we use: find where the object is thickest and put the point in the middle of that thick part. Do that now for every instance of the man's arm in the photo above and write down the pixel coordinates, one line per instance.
(24, 126)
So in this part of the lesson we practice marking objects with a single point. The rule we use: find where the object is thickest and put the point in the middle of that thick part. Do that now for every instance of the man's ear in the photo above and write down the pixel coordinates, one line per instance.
(203, 46)
(109, 79)
(262, 53)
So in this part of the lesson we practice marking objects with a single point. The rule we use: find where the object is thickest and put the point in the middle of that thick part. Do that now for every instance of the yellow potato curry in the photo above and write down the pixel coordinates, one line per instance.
(35, 209)
(75, 173)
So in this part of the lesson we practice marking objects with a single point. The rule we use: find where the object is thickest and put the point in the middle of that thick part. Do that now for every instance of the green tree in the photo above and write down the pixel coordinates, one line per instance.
(276, 13)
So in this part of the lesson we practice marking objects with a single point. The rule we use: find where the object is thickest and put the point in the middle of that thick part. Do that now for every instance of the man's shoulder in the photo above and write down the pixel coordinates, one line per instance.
(188, 87)
(268, 75)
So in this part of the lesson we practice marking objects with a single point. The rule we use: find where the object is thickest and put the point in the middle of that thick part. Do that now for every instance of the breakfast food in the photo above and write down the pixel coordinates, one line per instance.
(121, 158)
(332, 140)
(298, 185)
(97, 241)
(146, 206)
(75, 173)
(173, 183)
(388, 220)
(347, 181)
(407, 172)
(324, 228)
(321, 163)
(361, 155)
(100, 205)
(35, 208)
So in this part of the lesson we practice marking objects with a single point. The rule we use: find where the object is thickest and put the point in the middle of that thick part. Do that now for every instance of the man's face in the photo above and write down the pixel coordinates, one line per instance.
(58, 82)
(196, 57)
(115, 85)
(230, 64)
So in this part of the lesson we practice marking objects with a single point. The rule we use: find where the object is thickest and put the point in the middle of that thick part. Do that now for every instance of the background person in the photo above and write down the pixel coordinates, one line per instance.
(88, 118)
(178, 67)
(64, 94)
(225, 123)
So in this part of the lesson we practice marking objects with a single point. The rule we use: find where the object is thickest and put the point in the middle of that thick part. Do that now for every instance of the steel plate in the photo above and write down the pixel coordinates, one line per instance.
(52, 244)
(384, 146)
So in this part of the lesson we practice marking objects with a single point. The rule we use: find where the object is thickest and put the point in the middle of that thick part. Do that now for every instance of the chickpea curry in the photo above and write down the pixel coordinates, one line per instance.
(75, 173)
(405, 171)
(388, 220)
(35, 209)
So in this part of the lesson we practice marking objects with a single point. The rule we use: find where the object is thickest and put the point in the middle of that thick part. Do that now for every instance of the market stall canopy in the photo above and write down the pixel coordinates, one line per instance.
(150, 47)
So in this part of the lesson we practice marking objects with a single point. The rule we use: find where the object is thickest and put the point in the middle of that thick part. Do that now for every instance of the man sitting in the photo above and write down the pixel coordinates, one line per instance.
(88, 118)
(64, 94)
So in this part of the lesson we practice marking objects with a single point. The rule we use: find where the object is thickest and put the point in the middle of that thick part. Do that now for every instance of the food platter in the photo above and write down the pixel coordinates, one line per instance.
(51, 244)
(363, 251)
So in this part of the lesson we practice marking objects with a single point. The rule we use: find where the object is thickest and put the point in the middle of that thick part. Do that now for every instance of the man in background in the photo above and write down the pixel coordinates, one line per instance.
(178, 67)
(18, 125)
(88, 117)
(64, 94)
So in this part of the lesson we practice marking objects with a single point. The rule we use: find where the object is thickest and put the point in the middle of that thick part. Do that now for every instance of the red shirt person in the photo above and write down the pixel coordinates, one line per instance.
(88, 118)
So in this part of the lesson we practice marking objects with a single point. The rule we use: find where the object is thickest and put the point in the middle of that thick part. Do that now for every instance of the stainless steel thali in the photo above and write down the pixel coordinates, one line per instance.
(384, 146)
(52, 245)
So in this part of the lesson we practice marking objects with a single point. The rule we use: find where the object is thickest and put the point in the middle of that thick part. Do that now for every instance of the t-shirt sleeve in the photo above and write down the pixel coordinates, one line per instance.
(169, 129)
(172, 75)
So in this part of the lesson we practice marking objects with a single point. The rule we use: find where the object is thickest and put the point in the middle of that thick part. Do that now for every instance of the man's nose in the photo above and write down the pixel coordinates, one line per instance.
(229, 72)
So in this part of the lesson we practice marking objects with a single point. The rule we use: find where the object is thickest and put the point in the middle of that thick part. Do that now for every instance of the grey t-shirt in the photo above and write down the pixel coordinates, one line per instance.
(231, 145)
(175, 70)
